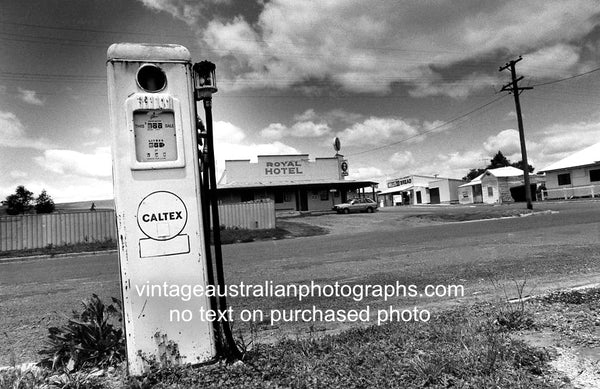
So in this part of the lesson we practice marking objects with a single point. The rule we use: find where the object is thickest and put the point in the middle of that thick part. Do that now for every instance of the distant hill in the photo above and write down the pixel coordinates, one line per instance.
(77, 206)
(85, 205)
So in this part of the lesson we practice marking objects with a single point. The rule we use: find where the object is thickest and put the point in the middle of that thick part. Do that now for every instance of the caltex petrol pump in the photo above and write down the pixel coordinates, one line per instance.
(163, 196)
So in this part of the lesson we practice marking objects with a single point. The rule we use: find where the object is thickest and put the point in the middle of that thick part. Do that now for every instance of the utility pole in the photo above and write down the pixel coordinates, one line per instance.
(513, 87)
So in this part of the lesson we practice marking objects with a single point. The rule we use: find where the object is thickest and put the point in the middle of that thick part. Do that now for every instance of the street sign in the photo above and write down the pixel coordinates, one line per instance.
(336, 144)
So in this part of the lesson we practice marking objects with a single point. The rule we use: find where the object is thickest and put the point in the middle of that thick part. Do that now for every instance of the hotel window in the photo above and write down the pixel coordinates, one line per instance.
(324, 195)
(564, 179)
(247, 196)
(279, 197)
(595, 175)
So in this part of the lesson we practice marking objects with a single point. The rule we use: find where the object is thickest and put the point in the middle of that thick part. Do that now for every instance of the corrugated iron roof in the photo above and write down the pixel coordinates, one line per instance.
(506, 171)
(588, 156)
(248, 185)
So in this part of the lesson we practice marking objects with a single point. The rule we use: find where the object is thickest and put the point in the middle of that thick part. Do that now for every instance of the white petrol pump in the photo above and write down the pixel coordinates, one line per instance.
(159, 204)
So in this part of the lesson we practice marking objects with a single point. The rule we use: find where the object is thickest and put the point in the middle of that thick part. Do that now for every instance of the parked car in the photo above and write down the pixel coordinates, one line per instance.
(356, 205)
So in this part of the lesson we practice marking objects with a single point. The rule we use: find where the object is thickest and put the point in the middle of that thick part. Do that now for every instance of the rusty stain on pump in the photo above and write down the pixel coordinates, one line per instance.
(168, 351)
(143, 308)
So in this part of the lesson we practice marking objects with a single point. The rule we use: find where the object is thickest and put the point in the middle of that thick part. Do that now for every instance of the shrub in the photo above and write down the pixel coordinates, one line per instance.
(88, 339)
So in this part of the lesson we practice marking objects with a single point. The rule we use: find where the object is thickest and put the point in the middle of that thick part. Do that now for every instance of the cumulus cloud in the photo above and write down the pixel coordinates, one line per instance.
(465, 160)
(366, 47)
(230, 143)
(190, 11)
(14, 134)
(560, 140)
(375, 130)
(402, 159)
(75, 163)
(274, 131)
(227, 132)
(18, 174)
(506, 141)
(30, 97)
(306, 129)
(560, 60)
(458, 89)
(365, 173)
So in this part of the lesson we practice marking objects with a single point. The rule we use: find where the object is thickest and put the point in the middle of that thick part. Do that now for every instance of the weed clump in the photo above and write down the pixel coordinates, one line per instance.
(89, 339)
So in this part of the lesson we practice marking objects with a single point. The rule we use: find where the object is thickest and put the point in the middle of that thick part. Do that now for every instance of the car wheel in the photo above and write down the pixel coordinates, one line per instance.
(346, 210)
(369, 210)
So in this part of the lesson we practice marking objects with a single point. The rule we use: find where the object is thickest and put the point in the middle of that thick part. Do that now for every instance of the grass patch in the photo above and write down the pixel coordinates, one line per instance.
(463, 348)
(52, 250)
(285, 229)
(460, 348)
(479, 213)
(242, 235)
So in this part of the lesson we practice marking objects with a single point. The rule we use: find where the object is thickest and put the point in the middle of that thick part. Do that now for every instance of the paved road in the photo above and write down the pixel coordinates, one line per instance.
(547, 250)
(580, 223)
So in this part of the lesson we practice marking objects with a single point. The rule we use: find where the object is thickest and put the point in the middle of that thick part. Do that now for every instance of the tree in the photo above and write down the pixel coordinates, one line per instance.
(19, 202)
(44, 203)
(519, 165)
(473, 173)
(499, 160)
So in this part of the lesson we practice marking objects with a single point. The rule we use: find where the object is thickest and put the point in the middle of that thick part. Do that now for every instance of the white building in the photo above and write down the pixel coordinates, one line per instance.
(577, 175)
(493, 186)
(419, 189)
(293, 182)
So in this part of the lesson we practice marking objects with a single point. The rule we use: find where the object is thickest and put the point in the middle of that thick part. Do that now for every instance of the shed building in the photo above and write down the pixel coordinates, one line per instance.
(492, 186)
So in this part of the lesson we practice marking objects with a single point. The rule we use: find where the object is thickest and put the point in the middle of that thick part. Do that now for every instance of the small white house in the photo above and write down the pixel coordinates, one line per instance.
(491, 187)
(577, 175)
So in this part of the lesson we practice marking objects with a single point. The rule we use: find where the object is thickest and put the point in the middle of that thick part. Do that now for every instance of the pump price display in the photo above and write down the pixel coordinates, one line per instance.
(155, 136)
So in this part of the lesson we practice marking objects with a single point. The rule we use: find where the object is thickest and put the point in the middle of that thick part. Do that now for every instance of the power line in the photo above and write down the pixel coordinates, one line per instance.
(57, 40)
(567, 78)
(88, 29)
(430, 130)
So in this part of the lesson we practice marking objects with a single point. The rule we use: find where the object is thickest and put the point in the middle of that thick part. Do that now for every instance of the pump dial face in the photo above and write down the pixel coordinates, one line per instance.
(155, 135)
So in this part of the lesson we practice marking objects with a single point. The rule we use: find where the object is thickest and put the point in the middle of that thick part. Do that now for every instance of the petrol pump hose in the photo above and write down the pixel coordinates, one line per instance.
(204, 189)
(227, 346)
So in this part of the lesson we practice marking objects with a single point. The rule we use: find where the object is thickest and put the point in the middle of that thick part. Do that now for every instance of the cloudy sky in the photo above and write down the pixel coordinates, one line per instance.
(408, 86)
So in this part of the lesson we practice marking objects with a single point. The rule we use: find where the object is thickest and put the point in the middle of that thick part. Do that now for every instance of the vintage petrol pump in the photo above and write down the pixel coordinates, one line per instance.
(157, 188)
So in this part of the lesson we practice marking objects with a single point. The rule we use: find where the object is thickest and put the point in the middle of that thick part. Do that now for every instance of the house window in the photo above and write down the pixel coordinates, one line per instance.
(490, 191)
(287, 197)
(324, 195)
(564, 179)
(595, 175)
